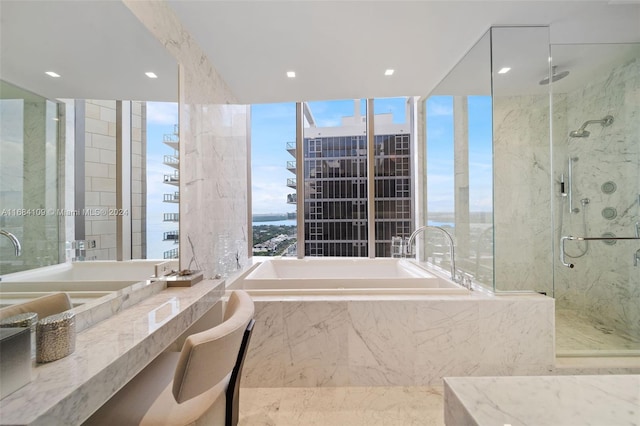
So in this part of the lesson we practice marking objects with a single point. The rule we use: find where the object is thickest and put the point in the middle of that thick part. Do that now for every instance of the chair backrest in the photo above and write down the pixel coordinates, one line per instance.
(209, 356)
(44, 306)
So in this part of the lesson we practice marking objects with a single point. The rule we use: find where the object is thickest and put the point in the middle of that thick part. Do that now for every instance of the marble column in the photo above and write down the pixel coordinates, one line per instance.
(214, 154)
(461, 174)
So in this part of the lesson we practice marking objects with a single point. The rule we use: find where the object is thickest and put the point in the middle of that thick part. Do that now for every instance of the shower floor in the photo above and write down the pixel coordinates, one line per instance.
(576, 335)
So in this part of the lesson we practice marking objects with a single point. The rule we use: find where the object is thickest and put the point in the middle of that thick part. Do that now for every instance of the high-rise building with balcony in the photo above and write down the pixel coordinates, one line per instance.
(173, 141)
(335, 185)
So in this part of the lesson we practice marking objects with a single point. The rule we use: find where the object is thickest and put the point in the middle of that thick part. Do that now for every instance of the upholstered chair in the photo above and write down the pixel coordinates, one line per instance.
(190, 387)
(44, 306)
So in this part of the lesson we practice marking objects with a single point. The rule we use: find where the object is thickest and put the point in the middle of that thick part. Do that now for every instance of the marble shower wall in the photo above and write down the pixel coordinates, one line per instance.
(605, 284)
(522, 203)
(214, 151)
(401, 341)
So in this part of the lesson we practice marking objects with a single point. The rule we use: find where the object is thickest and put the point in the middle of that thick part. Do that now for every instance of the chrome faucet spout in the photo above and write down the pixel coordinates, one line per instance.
(452, 250)
(14, 241)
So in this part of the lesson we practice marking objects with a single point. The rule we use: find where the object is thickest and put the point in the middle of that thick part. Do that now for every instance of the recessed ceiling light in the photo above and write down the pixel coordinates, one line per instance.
(151, 74)
(291, 74)
(504, 70)
(389, 72)
(52, 74)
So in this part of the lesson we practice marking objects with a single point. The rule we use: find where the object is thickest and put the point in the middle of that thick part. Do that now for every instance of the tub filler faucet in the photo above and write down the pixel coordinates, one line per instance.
(14, 240)
(452, 250)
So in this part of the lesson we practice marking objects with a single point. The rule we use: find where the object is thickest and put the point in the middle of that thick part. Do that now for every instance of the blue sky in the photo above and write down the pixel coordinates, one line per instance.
(161, 118)
(273, 125)
(440, 174)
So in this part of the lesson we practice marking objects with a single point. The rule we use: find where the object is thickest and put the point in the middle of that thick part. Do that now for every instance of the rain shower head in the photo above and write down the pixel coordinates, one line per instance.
(555, 76)
(583, 133)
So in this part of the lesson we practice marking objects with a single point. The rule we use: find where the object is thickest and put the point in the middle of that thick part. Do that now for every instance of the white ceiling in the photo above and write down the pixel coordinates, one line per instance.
(99, 48)
(339, 49)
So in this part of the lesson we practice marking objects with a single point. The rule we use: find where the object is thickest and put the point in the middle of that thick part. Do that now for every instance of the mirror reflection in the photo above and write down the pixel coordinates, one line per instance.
(73, 149)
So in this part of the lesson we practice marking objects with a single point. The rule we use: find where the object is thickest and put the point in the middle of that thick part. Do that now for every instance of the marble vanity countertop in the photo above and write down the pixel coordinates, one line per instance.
(107, 356)
(543, 400)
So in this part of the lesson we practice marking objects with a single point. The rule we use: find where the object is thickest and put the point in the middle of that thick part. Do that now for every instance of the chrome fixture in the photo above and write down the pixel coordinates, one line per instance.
(452, 250)
(583, 133)
(570, 185)
(14, 241)
(555, 76)
(605, 238)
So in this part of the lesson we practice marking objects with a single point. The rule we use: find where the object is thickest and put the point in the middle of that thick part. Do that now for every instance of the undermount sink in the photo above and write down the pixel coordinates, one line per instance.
(98, 289)
(100, 270)
(69, 286)
(78, 298)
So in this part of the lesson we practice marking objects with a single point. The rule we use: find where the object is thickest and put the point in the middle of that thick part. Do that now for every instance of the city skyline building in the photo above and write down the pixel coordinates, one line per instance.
(336, 189)
(172, 140)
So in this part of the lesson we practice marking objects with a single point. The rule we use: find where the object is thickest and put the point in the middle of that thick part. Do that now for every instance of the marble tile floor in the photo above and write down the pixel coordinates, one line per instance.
(332, 406)
(576, 334)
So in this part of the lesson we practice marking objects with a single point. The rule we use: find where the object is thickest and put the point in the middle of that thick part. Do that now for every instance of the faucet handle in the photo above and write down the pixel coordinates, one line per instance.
(466, 280)
(407, 249)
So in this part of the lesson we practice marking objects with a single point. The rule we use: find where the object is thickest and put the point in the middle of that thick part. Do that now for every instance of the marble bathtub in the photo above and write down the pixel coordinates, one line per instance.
(344, 276)
(336, 337)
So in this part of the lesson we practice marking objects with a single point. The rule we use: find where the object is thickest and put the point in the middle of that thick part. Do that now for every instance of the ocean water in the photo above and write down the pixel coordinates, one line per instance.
(289, 222)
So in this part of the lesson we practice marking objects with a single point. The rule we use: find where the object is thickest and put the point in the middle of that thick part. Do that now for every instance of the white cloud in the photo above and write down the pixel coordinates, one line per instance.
(435, 108)
(162, 113)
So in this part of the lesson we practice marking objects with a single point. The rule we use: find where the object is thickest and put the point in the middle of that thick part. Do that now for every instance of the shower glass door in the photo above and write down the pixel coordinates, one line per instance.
(29, 134)
(596, 195)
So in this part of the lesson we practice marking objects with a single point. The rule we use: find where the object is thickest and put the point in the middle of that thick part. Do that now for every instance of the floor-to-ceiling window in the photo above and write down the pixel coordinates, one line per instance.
(335, 179)
(273, 179)
(393, 171)
(345, 181)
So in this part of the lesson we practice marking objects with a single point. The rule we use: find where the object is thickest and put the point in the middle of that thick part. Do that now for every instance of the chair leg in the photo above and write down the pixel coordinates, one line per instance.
(233, 390)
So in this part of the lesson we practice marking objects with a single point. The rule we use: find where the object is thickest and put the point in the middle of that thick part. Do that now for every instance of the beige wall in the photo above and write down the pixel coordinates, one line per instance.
(100, 176)
(138, 180)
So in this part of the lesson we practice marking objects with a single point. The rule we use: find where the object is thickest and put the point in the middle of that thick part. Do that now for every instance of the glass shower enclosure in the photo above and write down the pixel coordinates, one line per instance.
(595, 101)
(30, 159)
(533, 165)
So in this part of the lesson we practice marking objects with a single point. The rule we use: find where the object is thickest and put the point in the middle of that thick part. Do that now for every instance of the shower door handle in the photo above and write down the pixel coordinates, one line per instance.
(570, 185)
(572, 238)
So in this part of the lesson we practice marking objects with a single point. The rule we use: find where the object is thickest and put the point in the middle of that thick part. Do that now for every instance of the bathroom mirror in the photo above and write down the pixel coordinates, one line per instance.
(67, 59)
